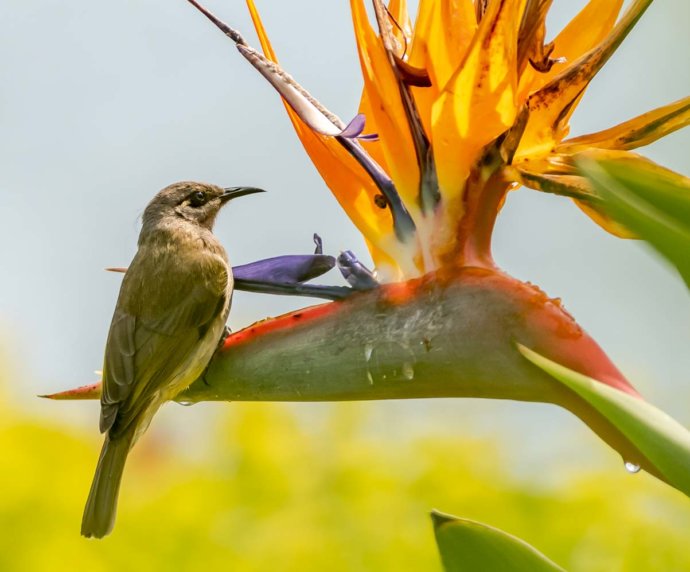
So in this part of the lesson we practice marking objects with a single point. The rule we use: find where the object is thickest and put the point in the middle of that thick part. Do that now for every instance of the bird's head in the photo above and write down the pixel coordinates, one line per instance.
(198, 203)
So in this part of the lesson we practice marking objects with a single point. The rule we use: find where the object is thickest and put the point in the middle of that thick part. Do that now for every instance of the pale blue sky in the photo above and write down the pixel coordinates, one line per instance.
(104, 103)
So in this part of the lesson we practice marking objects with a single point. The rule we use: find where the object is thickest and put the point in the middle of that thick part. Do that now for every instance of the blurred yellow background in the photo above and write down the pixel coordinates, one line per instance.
(260, 490)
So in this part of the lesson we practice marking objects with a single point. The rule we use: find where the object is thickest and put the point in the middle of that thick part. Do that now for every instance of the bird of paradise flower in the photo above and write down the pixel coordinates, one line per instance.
(462, 107)
(467, 105)
(457, 110)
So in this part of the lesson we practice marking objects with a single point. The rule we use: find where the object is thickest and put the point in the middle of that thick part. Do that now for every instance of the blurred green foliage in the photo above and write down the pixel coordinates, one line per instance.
(651, 201)
(271, 494)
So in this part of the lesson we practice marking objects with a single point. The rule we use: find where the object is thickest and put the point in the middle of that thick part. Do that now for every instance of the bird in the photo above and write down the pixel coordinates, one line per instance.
(168, 321)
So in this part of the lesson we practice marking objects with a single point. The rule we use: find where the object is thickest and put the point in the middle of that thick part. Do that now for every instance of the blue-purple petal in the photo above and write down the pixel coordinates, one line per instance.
(355, 127)
(288, 269)
(357, 275)
(319, 244)
(297, 289)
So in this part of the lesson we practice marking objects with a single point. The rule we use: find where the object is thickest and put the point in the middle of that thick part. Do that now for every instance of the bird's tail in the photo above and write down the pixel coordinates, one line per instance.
(101, 506)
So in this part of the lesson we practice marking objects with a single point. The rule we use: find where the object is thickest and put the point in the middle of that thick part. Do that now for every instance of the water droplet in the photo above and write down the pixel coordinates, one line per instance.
(632, 468)
(368, 349)
(408, 371)
(390, 362)
(186, 403)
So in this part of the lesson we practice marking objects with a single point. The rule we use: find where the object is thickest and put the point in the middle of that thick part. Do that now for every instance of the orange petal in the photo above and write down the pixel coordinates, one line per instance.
(478, 103)
(403, 33)
(552, 105)
(351, 186)
(637, 132)
(374, 148)
(443, 33)
(386, 112)
(585, 31)
(261, 32)
(419, 57)
(444, 30)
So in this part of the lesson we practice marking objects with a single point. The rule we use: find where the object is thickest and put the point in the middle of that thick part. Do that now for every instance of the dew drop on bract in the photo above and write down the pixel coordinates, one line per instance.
(368, 349)
(408, 371)
(632, 468)
(390, 361)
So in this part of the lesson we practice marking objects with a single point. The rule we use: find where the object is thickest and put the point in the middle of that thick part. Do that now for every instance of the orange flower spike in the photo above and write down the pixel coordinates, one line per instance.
(552, 105)
(387, 113)
(478, 103)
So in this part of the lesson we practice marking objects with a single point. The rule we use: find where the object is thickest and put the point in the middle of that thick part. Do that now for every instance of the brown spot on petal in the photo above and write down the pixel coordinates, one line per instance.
(380, 201)
(417, 77)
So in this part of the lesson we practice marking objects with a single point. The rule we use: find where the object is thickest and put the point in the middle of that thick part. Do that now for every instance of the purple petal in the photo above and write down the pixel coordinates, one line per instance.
(309, 290)
(354, 128)
(357, 275)
(369, 137)
(289, 269)
(319, 244)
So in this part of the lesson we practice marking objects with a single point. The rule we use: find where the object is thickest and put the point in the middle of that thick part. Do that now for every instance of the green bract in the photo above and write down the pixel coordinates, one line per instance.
(469, 546)
(664, 443)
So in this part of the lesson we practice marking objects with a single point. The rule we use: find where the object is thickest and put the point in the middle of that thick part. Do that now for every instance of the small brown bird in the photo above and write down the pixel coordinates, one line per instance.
(170, 316)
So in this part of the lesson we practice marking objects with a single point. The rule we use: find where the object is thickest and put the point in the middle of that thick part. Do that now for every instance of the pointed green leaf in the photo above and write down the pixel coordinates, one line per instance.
(662, 440)
(469, 546)
(651, 201)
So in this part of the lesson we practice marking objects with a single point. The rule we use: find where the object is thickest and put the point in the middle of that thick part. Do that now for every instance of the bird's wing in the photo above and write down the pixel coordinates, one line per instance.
(158, 322)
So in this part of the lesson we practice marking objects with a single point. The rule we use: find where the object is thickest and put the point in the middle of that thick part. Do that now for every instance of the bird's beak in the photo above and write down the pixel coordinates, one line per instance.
(234, 192)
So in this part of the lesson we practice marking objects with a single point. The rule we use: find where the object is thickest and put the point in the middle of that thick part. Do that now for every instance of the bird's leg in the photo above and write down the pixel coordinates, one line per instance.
(224, 336)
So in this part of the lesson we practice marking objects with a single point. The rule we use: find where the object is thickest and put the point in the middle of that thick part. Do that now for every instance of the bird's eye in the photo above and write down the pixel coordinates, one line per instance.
(198, 198)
